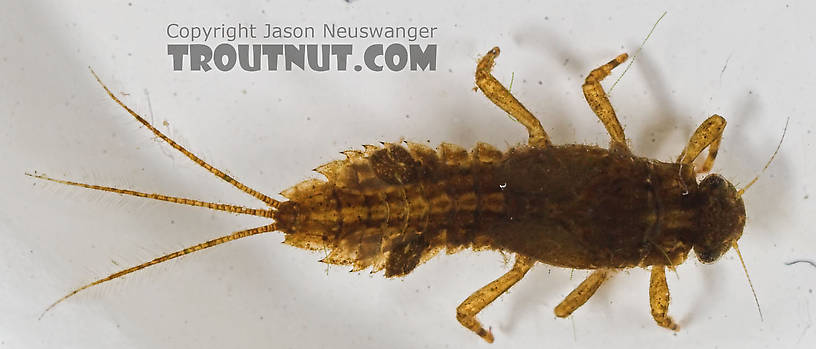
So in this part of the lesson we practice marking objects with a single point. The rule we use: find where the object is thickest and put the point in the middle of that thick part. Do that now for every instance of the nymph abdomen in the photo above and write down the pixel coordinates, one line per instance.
(395, 207)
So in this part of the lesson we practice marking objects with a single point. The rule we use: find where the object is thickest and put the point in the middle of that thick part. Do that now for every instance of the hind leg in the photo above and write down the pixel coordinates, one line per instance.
(501, 97)
(466, 312)
(659, 298)
(708, 134)
(599, 102)
(582, 293)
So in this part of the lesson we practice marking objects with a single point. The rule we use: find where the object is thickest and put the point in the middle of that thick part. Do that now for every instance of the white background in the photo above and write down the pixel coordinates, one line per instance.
(751, 63)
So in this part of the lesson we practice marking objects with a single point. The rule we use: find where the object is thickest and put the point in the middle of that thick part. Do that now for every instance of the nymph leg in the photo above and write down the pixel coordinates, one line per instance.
(708, 134)
(466, 312)
(500, 96)
(582, 293)
(599, 102)
(659, 298)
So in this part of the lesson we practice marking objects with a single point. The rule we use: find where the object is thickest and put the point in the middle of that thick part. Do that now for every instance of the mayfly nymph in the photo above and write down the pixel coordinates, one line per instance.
(392, 207)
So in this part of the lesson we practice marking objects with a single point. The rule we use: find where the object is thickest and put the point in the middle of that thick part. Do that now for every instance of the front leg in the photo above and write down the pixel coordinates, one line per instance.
(501, 97)
(466, 312)
(659, 298)
(708, 134)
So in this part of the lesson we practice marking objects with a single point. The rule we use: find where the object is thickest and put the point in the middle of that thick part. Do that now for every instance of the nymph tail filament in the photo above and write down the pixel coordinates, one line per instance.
(271, 203)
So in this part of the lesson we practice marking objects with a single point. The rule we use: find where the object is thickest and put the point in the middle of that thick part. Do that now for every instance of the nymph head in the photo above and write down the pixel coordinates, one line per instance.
(721, 218)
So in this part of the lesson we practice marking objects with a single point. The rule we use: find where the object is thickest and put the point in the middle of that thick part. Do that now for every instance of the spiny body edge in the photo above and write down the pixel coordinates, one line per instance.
(392, 208)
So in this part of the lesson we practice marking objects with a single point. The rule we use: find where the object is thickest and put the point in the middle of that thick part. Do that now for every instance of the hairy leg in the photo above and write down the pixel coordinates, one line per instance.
(599, 102)
(708, 134)
(582, 293)
(659, 298)
(466, 312)
(500, 96)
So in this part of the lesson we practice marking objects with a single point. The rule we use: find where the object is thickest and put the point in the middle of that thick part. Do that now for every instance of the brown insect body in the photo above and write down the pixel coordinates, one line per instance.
(572, 206)
(584, 207)
(394, 207)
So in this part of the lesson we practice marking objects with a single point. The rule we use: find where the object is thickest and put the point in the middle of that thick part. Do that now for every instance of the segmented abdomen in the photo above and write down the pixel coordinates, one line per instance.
(394, 207)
